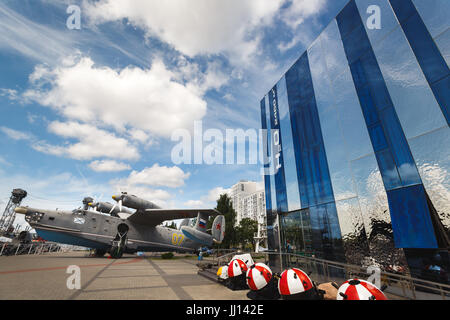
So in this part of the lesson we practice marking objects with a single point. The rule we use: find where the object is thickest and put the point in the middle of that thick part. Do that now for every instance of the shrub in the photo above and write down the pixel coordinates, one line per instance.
(167, 255)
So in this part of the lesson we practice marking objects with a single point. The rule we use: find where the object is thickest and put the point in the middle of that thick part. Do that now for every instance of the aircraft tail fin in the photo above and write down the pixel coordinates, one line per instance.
(218, 229)
(183, 223)
(202, 221)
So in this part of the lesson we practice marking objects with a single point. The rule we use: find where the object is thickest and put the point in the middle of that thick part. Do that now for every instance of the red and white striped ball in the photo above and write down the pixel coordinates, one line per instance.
(355, 289)
(236, 267)
(258, 276)
(293, 281)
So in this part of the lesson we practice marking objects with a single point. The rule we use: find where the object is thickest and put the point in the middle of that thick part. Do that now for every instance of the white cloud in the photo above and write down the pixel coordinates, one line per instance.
(93, 143)
(11, 94)
(194, 27)
(108, 166)
(145, 99)
(157, 196)
(32, 39)
(49, 191)
(299, 10)
(194, 204)
(162, 176)
(214, 194)
(16, 135)
(208, 200)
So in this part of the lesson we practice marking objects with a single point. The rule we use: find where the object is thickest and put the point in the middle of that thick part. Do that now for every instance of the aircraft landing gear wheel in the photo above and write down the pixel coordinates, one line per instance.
(116, 252)
(119, 243)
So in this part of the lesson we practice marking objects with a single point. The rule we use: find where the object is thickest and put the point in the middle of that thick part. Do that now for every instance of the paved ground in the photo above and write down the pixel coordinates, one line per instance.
(44, 277)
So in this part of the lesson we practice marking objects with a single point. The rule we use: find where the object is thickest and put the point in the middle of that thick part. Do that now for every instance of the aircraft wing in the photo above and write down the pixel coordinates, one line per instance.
(154, 217)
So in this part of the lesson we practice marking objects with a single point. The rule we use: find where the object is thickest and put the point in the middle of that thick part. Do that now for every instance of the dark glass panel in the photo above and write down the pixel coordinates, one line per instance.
(411, 218)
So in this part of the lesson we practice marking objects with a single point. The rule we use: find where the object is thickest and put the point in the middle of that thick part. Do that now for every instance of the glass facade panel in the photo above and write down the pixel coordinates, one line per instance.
(427, 53)
(396, 163)
(277, 143)
(353, 126)
(411, 210)
(374, 206)
(354, 235)
(271, 204)
(333, 51)
(321, 80)
(443, 43)
(290, 170)
(432, 156)
(411, 95)
(388, 20)
(367, 155)
(338, 163)
(435, 14)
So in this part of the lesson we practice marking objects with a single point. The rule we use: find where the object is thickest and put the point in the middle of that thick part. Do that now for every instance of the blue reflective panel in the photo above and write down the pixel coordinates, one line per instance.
(347, 20)
(367, 106)
(432, 156)
(333, 51)
(293, 195)
(278, 157)
(378, 138)
(353, 126)
(413, 99)
(355, 44)
(435, 14)
(403, 9)
(399, 148)
(388, 20)
(312, 169)
(273, 190)
(379, 93)
(265, 153)
(410, 217)
(443, 43)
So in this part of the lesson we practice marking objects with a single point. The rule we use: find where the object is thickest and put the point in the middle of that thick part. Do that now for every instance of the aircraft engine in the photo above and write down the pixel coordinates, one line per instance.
(134, 202)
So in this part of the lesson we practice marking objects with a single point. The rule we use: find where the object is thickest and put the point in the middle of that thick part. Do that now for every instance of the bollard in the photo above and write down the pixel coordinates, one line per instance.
(31, 247)
(17, 249)
(3, 247)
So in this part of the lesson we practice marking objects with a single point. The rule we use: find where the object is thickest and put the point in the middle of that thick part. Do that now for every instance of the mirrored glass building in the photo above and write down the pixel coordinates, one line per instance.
(359, 139)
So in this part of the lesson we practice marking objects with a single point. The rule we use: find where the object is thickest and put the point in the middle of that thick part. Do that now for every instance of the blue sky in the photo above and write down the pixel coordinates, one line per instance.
(90, 112)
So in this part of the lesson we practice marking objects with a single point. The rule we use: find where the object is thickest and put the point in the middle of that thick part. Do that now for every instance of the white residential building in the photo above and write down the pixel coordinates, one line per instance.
(248, 200)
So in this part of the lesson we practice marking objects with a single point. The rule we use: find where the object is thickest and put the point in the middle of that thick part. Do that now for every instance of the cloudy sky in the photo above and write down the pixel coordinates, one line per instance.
(91, 112)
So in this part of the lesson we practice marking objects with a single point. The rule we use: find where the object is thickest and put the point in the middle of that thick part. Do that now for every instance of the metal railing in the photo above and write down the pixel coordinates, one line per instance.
(398, 286)
(10, 249)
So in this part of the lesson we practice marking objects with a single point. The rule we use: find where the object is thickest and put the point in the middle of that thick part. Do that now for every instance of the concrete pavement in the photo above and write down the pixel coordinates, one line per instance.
(44, 277)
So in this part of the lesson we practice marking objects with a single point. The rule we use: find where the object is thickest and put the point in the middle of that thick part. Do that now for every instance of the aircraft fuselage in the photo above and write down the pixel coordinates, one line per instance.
(98, 231)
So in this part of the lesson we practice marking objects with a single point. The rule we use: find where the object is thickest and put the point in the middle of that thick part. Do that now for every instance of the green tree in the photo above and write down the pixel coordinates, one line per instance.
(245, 233)
(225, 207)
(173, 225)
